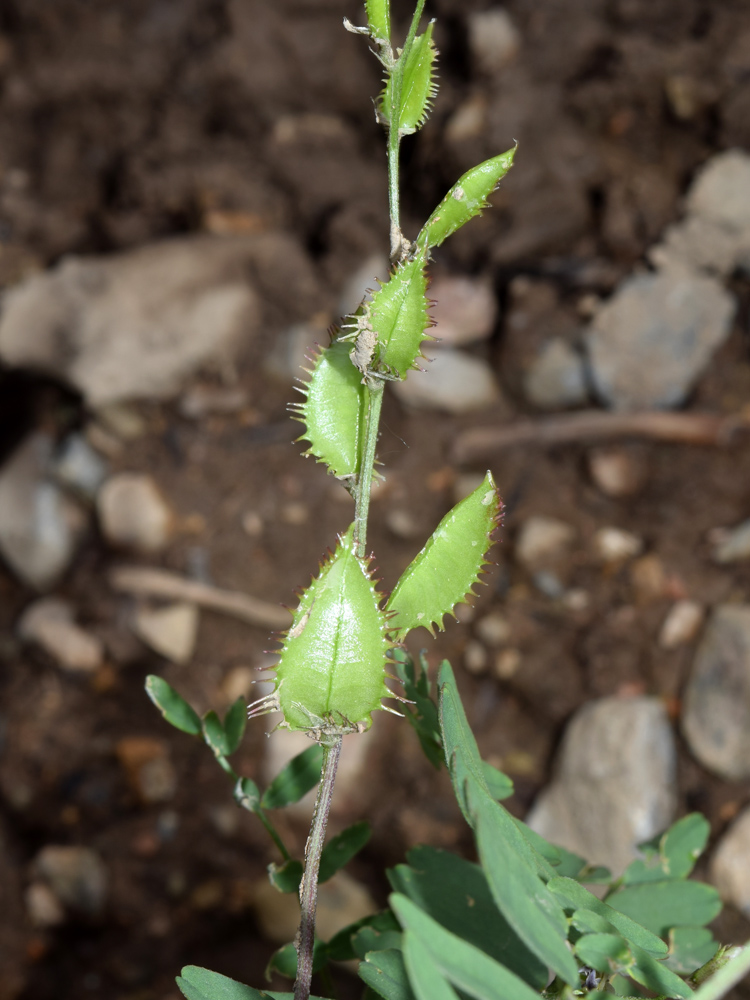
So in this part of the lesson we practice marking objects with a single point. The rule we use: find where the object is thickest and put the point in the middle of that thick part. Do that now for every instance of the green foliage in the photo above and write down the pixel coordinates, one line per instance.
(418, 87)
(379, 18)
(445, 571)
(200, 984)
(295, 780)
(175, 709)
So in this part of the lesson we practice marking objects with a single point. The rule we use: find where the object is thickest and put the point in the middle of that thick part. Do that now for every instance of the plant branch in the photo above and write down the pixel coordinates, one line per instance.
(375, 387)
(308, 890)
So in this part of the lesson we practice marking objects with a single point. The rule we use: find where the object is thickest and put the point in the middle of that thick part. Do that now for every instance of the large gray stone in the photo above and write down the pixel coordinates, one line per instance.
(730, 864)
(716, 704)
(615, 782)
(651, 342)
(135, 325)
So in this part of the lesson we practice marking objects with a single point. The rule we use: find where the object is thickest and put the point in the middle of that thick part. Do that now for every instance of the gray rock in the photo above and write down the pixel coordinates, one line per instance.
(730, 864)
(454, 381)
(721, 191)
(615, 781)
(493, 39)
(732, 544)
(716, 704)
(556, 379)
(681, 625)
(133, 513)
(76, 875)
(616, 471)
(701, 244)
(651, 342)
(543, 541)
(80, 468)
(40, 526)
(136, 325)
(50, 624)
(465, 310)
(171, 631)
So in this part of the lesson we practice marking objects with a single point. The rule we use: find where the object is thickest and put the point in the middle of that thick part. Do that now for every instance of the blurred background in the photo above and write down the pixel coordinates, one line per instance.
(191, 192)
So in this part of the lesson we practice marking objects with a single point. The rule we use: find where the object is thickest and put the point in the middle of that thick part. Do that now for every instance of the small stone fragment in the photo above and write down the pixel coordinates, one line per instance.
(681, 625)
(542, 541)
(615, 782)
(730, 871)
(80, 468)
(494, 629)
(50, 624)
(171, 631)
(468, 121)
(506, 665)
(493, 39)
(649, 579)
(40, 527)
(651, 342)
(454, 381)
(556, 379)
(721, 191)
(76, 875)
(475, 657)
(147, 767)
(362, 281)
(731, 544)
(42, 906)
(133, 513)
(465, 310)
(402, 523)
(716, 703)
(295, 513)
(252, 523)
(613, 545)
(616, 472)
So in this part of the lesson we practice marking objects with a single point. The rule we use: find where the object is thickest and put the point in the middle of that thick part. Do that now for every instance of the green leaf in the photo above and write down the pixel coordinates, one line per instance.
(500, 785)
(456, 894)
(295, 780)
(418, 86)
(174, 708)
(656, 976)
(341, 849)
(423, 714)
(214, 735)
(379, 19)
(370, 939)
(332, 667)
(563, 861)
(398, 315)
(384, 972)
(689, 949)
(607, 953)
(673, 854)
(660, 906)
(234, 724)
(334, 411)
(284, 960)
(466, 198)
(577, 897)
(466, 966)
(286, 877)
(247, 794)
(444, 572)
(201, 984)
(425, 979)
(341, 946)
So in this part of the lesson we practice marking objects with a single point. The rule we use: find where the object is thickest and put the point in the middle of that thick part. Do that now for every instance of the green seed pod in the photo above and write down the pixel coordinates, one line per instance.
(334, 411)
(466, 198)
(331, 675)
(418, 86)
(379, 19)
(449, 565)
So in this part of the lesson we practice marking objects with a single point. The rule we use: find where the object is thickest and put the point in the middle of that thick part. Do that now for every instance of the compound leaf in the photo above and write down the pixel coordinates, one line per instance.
(444, 572)
(173, 706)
(332, 667)
(673, 854)
(295, 779)
(466, 198)
(334, 410)
(660, 906)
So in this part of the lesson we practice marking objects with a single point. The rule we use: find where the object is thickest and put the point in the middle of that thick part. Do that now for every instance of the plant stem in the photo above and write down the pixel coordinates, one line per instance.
(394, 136)
(308, 890)
(375, 387)
(274, 835)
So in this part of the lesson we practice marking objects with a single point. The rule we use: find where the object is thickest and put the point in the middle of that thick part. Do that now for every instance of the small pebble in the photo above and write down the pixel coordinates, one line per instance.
(225, 819)
(730, 871)
(402, 523)
(549, 584)
(616, 472)
(295, 513)
(465, 613)
(681, 625)
(731, 544)
(50, 624)
(79, 467)
(171, 631)
(76, 875)
(576, 599)
(556, 378)
(133, 513)
(465, 310)
(147, 767)
(239, 683)
(123, 421)
(613, 545)
(475, 657)
(649, 579)
(543, 540)
(252, 523)
(468, 121)
(494, 629)
(506, 664)
(493, 39)
(454, 381)
(42, 906)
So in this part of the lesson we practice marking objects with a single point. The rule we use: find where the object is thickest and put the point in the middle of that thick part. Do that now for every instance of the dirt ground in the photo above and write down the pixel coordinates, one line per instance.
(124, 123)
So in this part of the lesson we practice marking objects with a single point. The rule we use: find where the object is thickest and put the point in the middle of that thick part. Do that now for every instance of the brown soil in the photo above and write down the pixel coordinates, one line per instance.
(123, 123)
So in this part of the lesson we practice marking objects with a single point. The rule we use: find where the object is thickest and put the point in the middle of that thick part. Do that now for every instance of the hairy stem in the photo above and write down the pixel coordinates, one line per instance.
(375, 388)
(394, 137)
(308, 890)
